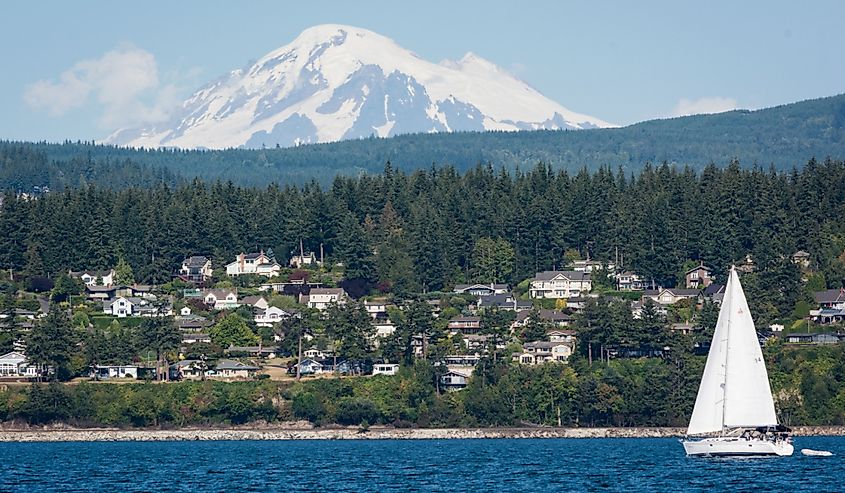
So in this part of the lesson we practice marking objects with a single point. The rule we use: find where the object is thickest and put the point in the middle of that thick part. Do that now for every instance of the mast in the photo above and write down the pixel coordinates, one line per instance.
(727, 338)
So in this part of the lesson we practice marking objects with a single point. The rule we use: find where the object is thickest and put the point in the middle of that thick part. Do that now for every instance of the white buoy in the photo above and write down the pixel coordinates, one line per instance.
(816, 453)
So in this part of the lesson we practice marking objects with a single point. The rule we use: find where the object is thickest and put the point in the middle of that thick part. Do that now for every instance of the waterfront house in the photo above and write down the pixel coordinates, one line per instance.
(189, 369)
(307, 367)
(385, 369)
(107, 372)
(230, 369)
(15, 365)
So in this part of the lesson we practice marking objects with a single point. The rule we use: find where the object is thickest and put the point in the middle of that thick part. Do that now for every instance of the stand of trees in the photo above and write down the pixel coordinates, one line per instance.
(427, 230)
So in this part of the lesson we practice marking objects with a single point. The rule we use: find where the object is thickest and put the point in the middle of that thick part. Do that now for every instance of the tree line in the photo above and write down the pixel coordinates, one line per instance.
(427, 230)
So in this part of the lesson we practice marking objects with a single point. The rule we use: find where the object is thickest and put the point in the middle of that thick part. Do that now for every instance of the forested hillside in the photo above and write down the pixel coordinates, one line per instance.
(783, 137)
(429, 229)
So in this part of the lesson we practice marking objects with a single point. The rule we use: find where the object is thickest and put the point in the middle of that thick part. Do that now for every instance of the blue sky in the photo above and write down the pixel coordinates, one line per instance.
(620, 61)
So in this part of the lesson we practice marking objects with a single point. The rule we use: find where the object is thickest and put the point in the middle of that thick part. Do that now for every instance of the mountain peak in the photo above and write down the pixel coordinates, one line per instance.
(336, 82)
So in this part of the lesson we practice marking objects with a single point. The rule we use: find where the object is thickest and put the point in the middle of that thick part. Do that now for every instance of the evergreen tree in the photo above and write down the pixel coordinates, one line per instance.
(51, 343)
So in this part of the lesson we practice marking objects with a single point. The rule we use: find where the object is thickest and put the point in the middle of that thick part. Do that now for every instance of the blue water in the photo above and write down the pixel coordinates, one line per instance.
(632, 465)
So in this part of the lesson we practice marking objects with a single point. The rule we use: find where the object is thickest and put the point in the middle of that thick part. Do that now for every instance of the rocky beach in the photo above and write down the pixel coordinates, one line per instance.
(351, 433)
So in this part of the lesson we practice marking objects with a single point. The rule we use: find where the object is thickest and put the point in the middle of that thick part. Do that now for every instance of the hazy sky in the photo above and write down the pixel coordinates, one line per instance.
(78, 70)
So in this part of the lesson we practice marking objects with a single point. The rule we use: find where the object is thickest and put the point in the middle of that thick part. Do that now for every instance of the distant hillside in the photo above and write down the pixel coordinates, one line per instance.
(784, 137)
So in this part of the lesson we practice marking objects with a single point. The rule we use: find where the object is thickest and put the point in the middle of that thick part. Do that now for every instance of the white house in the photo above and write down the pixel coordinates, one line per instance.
(304, 260)
(230, 369)
(376, 308)
(629, 281)
(106, 372)
(560, 284)
(385, 369)
(253, 263)
(196, 269)
(221, 299)
(89, 277)
(321, 298)
(535, 353)
(14, 364)
(670, 296)
(384, 328)
(592, 265)
(270, 316)
(454, 379)
(130, 306)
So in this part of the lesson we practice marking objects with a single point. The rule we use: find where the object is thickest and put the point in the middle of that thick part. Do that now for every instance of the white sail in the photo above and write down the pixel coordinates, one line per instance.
(748, 397)
(734, 390)
(707, 415)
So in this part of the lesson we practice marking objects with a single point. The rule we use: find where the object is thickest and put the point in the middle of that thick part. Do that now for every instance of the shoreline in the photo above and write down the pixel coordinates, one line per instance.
(352, 433)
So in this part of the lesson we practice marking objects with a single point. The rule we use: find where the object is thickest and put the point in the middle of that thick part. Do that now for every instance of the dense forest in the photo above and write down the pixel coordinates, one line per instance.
(423, 231)
(781, 137)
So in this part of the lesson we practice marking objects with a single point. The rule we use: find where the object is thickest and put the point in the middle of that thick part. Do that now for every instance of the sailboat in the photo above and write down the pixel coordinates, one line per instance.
(734, 412)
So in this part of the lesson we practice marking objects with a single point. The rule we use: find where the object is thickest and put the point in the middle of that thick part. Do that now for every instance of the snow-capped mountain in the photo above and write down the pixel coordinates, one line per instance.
(338, 82)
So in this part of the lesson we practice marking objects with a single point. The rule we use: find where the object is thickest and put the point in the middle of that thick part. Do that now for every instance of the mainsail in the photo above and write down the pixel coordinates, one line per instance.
(734, 390)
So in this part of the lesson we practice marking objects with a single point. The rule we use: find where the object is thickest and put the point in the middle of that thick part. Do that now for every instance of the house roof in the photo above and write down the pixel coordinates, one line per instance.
(92, 273)
(502, 300)
(699, 267)
(682, 292)
(462, 318)
(830, 296)
(464, 287)
(714, 289)
(14, 356)
(543, 344)
(572, 275)
(226, 364)
(195, 261)
(800, 253)
(251, 300)
(219, 293)
(336, 291)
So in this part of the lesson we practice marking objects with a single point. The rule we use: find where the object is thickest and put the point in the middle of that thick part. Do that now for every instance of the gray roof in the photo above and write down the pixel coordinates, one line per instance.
(683, 292)
(251, 300)
(226, 364)
(464, 287)
(219, 293)
(195, 261)
(548, 275)
(337, 291)
(830, 296)
(543, 344)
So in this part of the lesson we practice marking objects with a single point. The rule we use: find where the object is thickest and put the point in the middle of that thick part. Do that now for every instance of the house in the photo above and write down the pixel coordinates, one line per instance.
(100, 293)
(196, 269)
(384, 328)
(107, 372)
(714, 292)
(592, 266)
(454, 380)
(271, 316)
(801, 259)
(670, 296)
(698, 277)
(464, 360)
(562, 335)
(637, 309)
(535, 353)
(185, 311)
(831, 298)
(193, 323)
(255, 301)
(307, 367)
(221, 299)
(305, 259)
(189, 369)
(377, 309)
(94, 277)
(253, 263)
(745, 266)
(15, 365)
(502, 302)
(231, 369)
(813, 339)
(135, 307)
(684, 328)
(476, 343)
(560, 284)
(314, 354)
(483, 289)
(196, 338)
(464, 325)
(828, 315)
(629, 281)
(385, 369)
(554, 317)
(321, 298)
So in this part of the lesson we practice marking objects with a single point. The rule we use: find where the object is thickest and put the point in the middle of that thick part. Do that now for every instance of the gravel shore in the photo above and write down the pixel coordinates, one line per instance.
(375, 433)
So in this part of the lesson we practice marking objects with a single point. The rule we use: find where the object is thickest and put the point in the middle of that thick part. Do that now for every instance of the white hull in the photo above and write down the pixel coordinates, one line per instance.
(737, 447)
